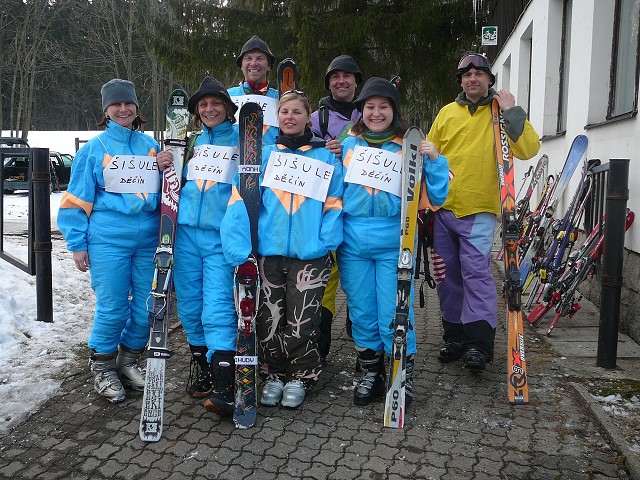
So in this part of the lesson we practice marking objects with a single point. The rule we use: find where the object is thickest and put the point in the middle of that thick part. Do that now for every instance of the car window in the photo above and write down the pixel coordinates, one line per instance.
(67, 159)
(19, 162)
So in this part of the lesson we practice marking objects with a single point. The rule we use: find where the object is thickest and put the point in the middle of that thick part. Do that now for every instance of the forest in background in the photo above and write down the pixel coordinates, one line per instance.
(55, 55)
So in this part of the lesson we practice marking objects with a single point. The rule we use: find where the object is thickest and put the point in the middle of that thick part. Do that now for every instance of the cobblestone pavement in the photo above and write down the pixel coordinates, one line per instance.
(460, 426)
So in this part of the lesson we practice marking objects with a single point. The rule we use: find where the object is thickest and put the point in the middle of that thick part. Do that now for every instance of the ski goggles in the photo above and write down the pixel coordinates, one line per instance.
(473, 60)
(299, 92)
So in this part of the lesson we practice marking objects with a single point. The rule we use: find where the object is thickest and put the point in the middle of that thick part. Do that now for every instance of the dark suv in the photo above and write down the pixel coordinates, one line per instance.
(16, 168)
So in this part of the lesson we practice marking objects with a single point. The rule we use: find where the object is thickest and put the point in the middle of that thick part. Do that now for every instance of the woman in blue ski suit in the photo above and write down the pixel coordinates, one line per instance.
(203, 279)
(296, 231)
(115, 233)
(368, 256)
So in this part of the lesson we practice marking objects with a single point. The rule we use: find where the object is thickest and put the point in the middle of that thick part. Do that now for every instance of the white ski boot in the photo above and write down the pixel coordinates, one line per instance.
(131, 373)
(106, 381)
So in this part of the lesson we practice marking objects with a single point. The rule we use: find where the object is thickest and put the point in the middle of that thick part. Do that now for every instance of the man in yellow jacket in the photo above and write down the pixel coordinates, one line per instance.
(464, 226)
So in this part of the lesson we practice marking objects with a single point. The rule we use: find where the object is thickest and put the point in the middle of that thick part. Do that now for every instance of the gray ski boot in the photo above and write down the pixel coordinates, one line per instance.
(106, 381)
(131, 373)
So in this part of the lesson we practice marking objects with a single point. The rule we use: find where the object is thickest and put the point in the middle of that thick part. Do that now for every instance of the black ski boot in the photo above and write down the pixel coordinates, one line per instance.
(223, 370)
(200, 382)
(324, 338)
(371, 382)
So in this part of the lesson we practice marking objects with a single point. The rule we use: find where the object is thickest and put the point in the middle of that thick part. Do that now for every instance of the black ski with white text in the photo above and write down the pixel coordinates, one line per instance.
(151, 417)
(246, 277)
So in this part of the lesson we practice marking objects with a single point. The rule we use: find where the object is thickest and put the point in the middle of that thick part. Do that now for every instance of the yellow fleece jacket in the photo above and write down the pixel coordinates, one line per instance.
(468, 143)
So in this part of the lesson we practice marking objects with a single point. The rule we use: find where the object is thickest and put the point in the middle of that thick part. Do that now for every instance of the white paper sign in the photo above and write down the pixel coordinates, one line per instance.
(376, 168)
(132, 174)
(298, 174)
(213, 162)
(269, 107)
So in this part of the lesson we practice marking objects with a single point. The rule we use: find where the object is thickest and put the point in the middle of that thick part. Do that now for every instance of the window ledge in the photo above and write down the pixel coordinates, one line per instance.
(619, 118)
(544, 138)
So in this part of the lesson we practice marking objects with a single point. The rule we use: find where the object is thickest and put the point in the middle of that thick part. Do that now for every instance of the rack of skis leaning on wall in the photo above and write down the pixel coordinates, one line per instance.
(556, 267)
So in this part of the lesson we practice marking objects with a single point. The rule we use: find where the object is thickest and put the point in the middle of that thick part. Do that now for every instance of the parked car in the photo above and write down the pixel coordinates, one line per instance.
(16, 172)
(13, 142)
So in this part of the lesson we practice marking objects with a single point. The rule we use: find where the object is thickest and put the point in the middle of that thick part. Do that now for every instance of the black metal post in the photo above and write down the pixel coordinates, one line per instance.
(614, 230)
(40, 218)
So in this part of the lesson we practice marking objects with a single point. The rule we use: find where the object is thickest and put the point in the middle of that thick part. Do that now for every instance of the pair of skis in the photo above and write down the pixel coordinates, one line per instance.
(151, 417)
(517, 384)
(394, 408)
(246, 276)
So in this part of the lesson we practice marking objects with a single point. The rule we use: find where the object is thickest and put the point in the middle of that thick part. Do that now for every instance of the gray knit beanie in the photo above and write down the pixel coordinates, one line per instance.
(116, 91)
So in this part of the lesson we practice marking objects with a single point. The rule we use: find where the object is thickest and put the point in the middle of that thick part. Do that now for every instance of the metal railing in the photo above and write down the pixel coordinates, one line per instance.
(39, 226)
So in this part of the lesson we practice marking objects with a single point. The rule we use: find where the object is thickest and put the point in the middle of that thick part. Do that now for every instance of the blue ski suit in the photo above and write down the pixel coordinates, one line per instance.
(368, 256)
(202, 278)
(120, 233)
(269, 132)
(295, 235)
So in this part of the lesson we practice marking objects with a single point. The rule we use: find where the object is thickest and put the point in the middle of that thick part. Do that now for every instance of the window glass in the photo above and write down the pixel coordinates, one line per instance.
(625, 59)
(564, 66)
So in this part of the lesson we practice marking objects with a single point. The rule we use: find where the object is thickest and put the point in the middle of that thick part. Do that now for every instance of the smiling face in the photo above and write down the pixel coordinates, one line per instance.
(255, 66)
(212, 110)
(377, 114)
(123, 113)
(293, 116)
(475, 84)
(342, 86)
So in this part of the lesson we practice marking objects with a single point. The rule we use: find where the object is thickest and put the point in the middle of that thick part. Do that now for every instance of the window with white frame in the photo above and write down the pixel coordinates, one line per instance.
(623, 96)
(564, 65)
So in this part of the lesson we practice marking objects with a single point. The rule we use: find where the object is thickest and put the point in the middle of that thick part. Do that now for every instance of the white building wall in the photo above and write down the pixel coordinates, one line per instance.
(591, 40)
(587, 100)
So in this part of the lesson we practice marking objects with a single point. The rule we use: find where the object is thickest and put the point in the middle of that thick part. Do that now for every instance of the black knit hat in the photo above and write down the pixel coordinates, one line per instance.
(378, 87)
(211, 86)
(255, 43)
(474, 60)
(344, 63)
(116, 91)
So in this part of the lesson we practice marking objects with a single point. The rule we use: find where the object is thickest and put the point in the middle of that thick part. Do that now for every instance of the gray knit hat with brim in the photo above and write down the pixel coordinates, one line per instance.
(378, 87)
(255, 43)
(344, 63)
(116, 91)
(211, 86)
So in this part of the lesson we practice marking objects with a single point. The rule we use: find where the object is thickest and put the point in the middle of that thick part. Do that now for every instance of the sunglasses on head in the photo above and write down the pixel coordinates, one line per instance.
(474, 60)
(299, 92)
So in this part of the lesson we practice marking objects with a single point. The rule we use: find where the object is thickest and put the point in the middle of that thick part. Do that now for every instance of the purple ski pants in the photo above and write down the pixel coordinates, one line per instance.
(462, 266)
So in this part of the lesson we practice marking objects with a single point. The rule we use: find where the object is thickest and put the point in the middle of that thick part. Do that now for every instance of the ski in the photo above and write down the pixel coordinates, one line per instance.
(577, 150)
(581, 265)
(151, 417)
(394, 409)
(517, 385)
(523, 204)
(287, 75)
(246, 277)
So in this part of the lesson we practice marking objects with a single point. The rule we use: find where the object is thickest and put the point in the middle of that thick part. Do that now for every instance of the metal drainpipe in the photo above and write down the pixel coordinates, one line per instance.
(611, 287)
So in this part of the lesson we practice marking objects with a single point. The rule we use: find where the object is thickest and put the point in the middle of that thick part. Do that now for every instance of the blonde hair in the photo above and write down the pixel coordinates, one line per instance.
(295, 95)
